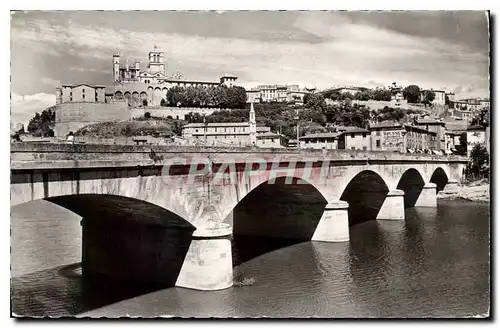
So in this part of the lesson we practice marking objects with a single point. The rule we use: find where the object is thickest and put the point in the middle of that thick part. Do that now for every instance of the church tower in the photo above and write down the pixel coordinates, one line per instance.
(156, 61)
(116, 68)
(253, 126)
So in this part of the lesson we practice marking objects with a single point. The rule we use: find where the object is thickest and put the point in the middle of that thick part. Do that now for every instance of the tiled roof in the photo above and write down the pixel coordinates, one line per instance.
(213, 125)
(355, 130)
(269, 134)
(475, 128)
(429, 121)
(386, 124)
(321, 135)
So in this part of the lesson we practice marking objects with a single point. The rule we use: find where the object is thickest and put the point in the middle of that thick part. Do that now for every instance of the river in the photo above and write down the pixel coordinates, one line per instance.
(435, 263)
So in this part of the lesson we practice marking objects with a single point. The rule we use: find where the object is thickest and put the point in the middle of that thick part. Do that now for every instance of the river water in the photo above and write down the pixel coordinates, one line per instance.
(435, 263)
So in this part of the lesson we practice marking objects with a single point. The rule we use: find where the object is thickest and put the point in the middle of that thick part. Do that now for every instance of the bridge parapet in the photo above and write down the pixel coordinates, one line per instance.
(28, 156)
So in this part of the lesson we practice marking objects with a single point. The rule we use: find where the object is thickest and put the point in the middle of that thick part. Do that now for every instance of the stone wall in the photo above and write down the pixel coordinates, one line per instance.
(73, 116)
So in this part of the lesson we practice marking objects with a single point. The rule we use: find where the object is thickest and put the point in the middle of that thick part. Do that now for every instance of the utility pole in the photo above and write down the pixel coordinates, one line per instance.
(297, 118)
(205, 129)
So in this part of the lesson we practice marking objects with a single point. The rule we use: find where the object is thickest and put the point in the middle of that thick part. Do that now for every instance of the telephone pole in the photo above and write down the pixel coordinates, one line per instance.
(297, 118)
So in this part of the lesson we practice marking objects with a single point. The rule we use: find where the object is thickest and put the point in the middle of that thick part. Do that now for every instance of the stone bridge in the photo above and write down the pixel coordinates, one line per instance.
(168, 214)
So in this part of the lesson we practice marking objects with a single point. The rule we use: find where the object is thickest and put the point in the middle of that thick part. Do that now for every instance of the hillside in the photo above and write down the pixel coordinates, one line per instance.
(154, 126)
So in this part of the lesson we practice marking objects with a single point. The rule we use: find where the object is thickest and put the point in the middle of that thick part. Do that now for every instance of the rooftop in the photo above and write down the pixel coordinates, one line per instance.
(79, 84)
(321, 135)
(476, 127)
(430, 121)
(269, 135)
(201, 125)
(355, 130)
(386, 124)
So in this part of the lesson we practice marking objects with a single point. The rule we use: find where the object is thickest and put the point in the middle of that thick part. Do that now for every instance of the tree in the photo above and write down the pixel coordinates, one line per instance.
(41, 125)
(478, 165)
(382, 95)
(412, 93)
(362, 95)
(316, 102)
(147, 115)
(429, 97)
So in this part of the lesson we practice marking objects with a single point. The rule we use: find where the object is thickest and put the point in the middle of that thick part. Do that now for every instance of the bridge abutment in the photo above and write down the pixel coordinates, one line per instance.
(428, 196)
(208, 264)
(334, 224)
(393, 207)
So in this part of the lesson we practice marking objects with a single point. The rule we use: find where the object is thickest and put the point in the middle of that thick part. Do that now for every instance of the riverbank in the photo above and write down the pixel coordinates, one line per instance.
(475, 191)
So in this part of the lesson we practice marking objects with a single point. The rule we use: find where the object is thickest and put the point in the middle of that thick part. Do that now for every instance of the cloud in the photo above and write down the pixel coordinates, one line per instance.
(50, 81)
(93, 70)
(23, 108)
(346, 53)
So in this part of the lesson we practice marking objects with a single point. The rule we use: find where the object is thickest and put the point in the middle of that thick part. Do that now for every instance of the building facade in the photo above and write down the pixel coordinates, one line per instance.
(438, 127)
(278, 93)
(80, 93)
(477, 135)
(439, 96)
(271, 140)
(354, 139)
(229, 134)
(390, 136)
(320, 141)
(453, 144)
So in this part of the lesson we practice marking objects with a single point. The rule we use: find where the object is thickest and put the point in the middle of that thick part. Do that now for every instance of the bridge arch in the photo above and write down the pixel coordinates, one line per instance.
(440, 178)
(412, 183)
(125, 238)
(365, 193)
(273, 215)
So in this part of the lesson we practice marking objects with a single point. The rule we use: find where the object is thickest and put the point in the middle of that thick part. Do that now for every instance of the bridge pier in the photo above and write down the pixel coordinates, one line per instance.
(428, 196)
(334, 224)
(393, 207)
(208, 264)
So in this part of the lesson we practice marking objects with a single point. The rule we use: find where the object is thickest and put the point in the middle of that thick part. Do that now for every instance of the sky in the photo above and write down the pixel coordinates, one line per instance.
(434, 49)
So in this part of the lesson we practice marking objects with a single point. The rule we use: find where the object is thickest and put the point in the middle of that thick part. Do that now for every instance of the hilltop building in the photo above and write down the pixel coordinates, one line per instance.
(439, 98)
(278, 93)
(135, 86)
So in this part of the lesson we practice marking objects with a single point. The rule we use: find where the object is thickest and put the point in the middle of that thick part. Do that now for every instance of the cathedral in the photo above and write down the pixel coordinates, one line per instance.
(135, 86)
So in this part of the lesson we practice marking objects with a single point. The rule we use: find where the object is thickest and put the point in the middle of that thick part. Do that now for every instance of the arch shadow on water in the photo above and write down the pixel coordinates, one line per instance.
(129, 248)
(365, 194)
(411, 183)
(273, 216)
(440, 178)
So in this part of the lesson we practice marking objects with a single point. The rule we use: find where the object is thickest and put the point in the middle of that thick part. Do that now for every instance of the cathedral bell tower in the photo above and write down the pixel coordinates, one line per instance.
(156, 61)
(116, 68)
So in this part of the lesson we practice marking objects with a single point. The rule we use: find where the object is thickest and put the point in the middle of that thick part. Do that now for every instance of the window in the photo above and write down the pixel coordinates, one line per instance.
(352, 135)
(364, 135)
(215, 129)
(378, 143)
(378, 133)
(365, 148)
(196, 130)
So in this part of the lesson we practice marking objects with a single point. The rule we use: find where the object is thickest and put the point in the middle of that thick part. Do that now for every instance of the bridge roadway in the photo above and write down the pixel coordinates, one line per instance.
(133, 198)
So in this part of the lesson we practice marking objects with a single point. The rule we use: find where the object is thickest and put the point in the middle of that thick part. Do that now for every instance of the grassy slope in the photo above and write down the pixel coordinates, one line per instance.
(156, 127)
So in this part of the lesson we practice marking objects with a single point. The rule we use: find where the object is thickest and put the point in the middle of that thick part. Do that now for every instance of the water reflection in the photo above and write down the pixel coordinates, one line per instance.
(433, 264)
